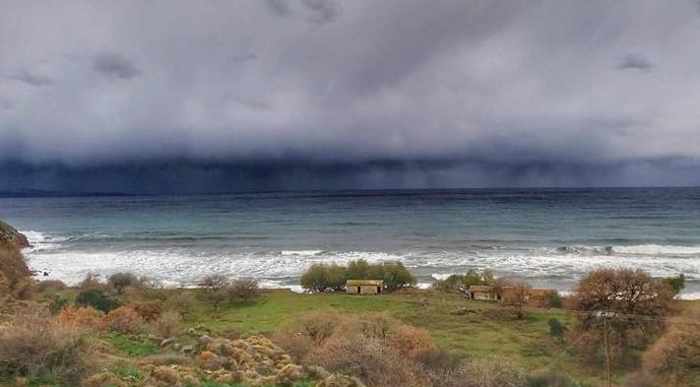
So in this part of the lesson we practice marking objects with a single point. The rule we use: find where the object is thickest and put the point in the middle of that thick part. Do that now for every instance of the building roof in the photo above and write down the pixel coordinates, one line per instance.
(364, 283)
(481, 288)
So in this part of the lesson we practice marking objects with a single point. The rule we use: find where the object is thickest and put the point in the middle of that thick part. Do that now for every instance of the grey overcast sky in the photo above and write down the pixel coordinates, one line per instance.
(226, 95)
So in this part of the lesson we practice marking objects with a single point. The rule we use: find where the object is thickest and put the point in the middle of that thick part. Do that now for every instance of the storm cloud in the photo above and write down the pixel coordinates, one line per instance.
(153, 96)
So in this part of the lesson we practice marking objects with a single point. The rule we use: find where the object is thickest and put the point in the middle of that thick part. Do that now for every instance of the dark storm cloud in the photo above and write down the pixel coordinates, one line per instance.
(30, 78)
(280, 7)
(115, 66)
(363, 93)
(636, 62)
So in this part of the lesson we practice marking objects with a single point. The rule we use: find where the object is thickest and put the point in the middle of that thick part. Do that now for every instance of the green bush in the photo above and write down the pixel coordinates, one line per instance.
(462, 282)
(554, 300)
(57, 304)
(556, 328)
(396, 276)
(676, 283)
(96, 298)
(121, 281)
(360, 270)
(315, 278)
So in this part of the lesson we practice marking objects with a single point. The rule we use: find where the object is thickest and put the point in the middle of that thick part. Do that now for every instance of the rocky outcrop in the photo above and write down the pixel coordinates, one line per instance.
(10, 235)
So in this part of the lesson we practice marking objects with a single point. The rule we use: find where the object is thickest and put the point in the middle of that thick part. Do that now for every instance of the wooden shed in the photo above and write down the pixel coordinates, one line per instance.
(364, 286)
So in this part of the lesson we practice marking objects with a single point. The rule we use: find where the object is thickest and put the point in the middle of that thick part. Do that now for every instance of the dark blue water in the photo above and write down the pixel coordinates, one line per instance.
(549, 236)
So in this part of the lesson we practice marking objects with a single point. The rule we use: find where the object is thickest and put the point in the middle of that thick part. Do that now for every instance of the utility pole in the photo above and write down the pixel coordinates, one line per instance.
(607, 348)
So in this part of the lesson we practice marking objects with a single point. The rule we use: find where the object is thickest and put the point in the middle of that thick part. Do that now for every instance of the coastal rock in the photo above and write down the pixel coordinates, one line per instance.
(11, 235)
(166, 342)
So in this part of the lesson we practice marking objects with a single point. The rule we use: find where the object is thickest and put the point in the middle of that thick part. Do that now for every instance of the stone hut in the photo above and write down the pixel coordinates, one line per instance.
(483, 293)
(364, 286)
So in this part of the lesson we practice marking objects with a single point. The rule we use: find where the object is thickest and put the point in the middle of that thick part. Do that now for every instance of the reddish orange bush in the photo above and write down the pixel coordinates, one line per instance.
(125, 320)
(81, 317)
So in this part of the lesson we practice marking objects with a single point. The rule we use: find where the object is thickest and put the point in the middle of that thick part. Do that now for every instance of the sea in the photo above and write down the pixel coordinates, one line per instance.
(549, 237)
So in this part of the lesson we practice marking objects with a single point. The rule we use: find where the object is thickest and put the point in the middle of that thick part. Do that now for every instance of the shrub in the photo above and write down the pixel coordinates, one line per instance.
(321, 277)
(168, 324)
(81, 317)
(556, 328)
(677, 352)
(96, 298)
(215, 289)
(149, 311)
(15, 277)
(181, 302)
(316, 278)
(359, 270)
(91, 281)
(121, 281)
(125, 320)
(461, 283)
(554, 300)
(57, 304)
(244, 290)
(33, 345)
(368, 359)
(50, 285)
(620, 293)
(396, 276)
(494, 372)
(677, 284)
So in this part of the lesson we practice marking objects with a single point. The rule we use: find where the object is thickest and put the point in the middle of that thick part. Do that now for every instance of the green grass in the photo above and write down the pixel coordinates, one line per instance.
(132, 346)
(470, 329)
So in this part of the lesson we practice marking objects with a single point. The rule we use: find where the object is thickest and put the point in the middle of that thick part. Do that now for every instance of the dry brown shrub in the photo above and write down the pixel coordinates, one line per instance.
(50, 285)
(369, 359)
(676, 354)
(295, 343)
(125, 320)
(182, 301)
(91, 281)
(411, 341)
(34, 345)
(82, 317)
(168, 324)
(493, 372)
(14, 273)
(149, 311)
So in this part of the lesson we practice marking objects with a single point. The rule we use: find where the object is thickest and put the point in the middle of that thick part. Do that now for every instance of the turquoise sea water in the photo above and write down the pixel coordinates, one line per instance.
(549, 236)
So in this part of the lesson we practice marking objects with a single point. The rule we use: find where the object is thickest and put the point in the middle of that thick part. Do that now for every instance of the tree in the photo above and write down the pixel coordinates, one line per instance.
(359, 270)
(215, 288)
(626, 305)
(315, 278)
(396, 276)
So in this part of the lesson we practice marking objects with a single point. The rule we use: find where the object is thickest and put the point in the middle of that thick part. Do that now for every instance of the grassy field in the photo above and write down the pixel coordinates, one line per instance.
(466, 328)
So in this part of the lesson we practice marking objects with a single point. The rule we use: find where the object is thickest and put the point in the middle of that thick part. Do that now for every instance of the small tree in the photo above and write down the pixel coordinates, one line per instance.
(121, 281)
(359, 270)
(315, 278)
(628, 303)
(215, 288)
(244, 290)
(335, 276)
(396, 276)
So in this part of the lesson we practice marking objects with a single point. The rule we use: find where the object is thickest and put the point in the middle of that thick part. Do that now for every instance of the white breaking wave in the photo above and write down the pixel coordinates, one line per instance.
(42, 241)
(304, 253)
(658, 250)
